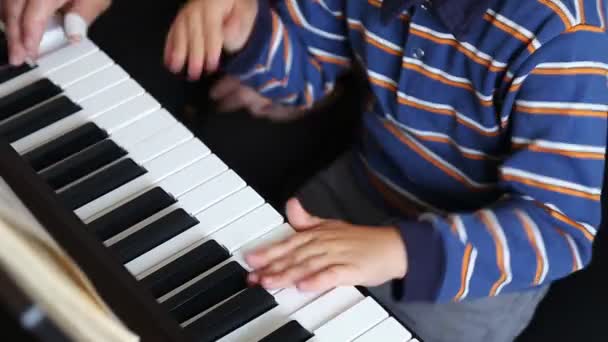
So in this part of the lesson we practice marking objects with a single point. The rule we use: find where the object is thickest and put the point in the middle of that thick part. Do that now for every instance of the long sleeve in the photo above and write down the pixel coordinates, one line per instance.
(295, 52)
(543, 228)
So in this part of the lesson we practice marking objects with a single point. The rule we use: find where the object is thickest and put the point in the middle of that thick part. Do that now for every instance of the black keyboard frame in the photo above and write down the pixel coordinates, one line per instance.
(137, 309)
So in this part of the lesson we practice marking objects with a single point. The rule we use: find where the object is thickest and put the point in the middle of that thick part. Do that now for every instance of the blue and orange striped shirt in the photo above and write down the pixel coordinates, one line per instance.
(490, 116)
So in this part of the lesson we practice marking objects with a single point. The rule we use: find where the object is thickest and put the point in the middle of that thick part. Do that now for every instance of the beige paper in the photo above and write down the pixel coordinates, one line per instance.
(48, 276)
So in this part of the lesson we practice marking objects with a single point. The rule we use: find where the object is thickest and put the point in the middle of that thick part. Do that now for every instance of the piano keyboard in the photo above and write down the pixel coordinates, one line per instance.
(165, 206)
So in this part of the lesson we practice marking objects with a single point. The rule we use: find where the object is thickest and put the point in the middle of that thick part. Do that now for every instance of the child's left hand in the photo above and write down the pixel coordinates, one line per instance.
(328, 253)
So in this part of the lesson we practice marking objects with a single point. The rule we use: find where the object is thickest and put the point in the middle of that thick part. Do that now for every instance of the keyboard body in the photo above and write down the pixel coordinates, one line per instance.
(161, 204)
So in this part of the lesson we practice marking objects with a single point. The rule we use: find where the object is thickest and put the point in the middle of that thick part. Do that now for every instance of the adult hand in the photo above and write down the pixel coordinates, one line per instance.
(324, 254)
(26, 21)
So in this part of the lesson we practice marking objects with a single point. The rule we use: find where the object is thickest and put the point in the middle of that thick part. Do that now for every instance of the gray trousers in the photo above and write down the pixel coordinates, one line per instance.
(334, 193)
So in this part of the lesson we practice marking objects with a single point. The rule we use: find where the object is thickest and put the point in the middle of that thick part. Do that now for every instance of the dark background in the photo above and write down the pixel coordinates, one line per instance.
(276, 159)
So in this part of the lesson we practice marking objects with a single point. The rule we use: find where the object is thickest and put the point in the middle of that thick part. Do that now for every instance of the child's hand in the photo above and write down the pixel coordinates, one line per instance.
(203, 28)
(326, 253)
(231, 95)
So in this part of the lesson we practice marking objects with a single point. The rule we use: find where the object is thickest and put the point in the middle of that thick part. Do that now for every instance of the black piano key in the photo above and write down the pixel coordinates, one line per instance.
(83, 163)
(185, 268)
(231, 315)
(37, 118)
(130, 213)
(27, 97)
(153, 235)
(65, 146)
(292, 331)
(101, 183)
(207, 292)
(8, 72)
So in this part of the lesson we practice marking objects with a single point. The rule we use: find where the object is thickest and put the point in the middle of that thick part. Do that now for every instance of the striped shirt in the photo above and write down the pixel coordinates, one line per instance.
(490, 116)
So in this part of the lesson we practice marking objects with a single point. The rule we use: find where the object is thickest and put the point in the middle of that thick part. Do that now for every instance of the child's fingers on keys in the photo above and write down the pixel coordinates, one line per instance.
(328, 278)
(266, 255)
(292, 275)
(304, 256)
(196, 46)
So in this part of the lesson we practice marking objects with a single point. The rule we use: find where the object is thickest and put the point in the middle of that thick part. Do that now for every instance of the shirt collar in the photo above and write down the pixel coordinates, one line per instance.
(456, 15)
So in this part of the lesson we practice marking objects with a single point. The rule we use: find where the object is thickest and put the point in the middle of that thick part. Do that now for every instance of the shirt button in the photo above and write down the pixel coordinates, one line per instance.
(425, 4)
(418, 53)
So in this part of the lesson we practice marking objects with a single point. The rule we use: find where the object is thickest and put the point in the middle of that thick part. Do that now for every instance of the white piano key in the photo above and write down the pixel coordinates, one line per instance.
(351, 323)
(86, 88)
(264, 240)
(192, 176)
(211, 192)
(143, 128)
(242, 231)
(210, 219)
(388, 330)
(327, 307)
(48, 64)
(96, 83)
(122, 97)
(126, 114)
(158, 169)
(184, 180)
(80, 69)
(180, 156)
(66, 55)
(160, 143)
(289, 301)
(198, 200)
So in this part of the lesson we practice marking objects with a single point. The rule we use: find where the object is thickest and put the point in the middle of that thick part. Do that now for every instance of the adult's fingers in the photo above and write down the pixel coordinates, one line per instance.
(89, 10)
(13, 14)
(75, 26)
(36, 15)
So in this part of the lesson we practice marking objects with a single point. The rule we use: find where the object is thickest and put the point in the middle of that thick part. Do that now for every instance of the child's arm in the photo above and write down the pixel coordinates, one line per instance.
(542, 229)
(291, 54)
